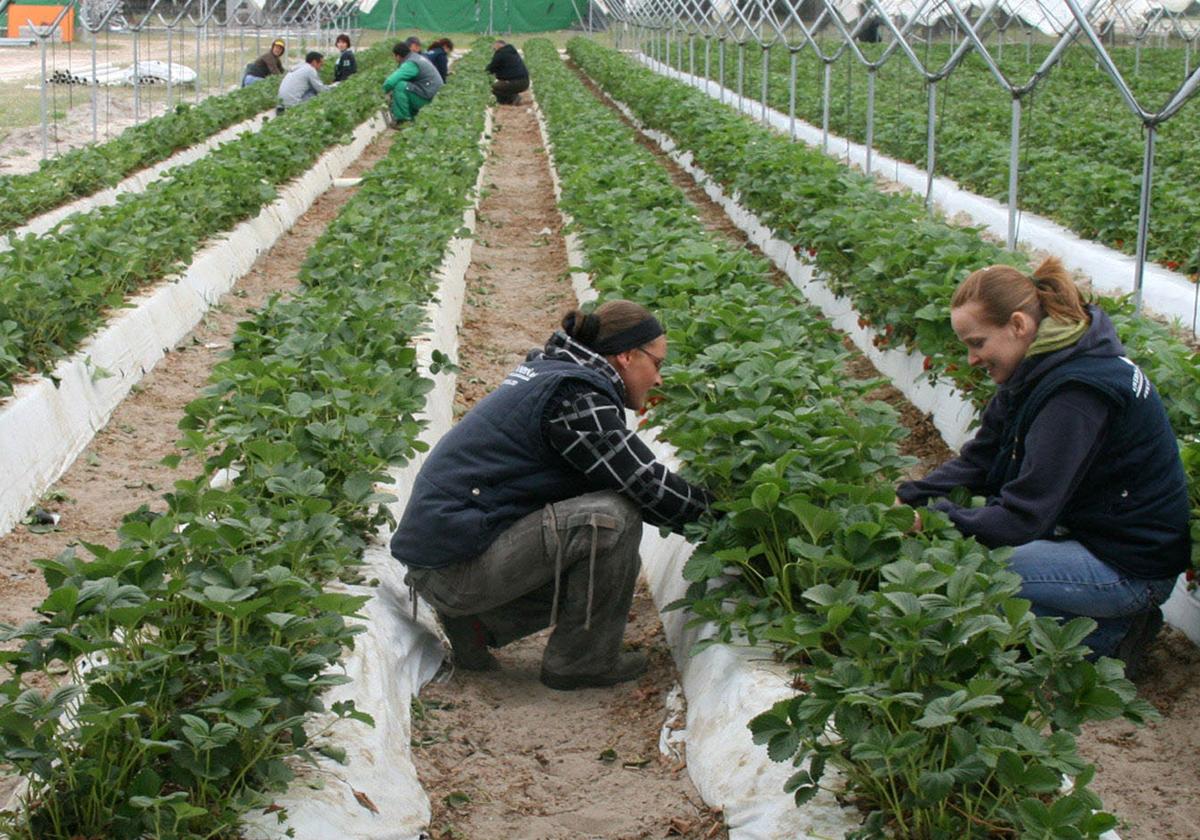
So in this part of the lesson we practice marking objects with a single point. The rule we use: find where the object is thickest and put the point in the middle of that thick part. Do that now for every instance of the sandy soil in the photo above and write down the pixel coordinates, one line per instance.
(20, 70)
(121, 469)
(500, 754)
(1143, 773)
(21, 149)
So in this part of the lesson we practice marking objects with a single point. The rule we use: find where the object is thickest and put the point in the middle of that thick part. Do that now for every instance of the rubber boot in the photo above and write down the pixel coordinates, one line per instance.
(469, 642)
(1132, 649)
(630, 666)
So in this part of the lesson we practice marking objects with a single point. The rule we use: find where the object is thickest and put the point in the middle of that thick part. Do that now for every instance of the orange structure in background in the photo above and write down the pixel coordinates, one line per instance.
(23, 15)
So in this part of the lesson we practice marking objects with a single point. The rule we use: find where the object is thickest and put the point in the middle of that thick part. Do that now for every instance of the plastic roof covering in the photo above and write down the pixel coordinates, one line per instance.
(1049, 16)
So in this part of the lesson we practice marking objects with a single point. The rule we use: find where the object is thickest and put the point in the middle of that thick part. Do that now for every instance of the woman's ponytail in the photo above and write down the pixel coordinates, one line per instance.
(1057, 292)
(1001, 290)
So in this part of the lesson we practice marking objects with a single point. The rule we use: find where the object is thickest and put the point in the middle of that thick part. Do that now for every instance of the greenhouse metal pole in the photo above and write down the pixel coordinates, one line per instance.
(871, 71)
(94, 29)
(741, 77)
(721, 58)
(766, 68)
(931, 136)
(792, 93)
(44, 104)
(1143, 217)
(1014, 149)
(170, 27)
(825, 95)
(170, 63)
(137, 76)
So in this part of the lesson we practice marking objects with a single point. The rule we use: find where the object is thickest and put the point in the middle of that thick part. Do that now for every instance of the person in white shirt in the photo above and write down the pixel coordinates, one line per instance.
(302, 81)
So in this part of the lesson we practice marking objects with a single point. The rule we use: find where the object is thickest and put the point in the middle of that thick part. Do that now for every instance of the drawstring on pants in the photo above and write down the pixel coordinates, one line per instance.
(550, 522)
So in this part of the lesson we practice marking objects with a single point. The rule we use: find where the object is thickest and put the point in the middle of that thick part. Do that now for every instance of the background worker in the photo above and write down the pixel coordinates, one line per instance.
(1074, 455)
(528, 513)
(512, 78)
(267, 64)
(303, 81)
(346, 65)
(412, 85)
(439, 55)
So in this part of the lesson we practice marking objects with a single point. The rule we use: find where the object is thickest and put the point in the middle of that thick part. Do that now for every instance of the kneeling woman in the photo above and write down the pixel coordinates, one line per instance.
(1074, 455)
(528, 513)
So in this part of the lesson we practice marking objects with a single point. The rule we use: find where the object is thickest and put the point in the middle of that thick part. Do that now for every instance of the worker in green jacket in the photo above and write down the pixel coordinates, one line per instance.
(412, 85)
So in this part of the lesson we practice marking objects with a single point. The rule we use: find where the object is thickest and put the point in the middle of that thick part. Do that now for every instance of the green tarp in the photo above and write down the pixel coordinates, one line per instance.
(476, 15)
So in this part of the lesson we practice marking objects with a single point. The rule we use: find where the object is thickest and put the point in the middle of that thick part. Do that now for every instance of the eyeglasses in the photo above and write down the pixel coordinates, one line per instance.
(658, 363)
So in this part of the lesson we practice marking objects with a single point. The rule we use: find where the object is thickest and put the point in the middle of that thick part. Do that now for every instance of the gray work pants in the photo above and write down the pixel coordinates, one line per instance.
(577, 557)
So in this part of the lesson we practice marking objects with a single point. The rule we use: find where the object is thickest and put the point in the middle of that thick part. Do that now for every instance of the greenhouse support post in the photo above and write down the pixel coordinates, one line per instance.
(766, 60)
(44, 34)
(929, 145)
(741, 75)
(1014, 149)
(1143, 217)
(44, 107)
(870, 115)
(792, 93)
(825, 94)
(721, 62)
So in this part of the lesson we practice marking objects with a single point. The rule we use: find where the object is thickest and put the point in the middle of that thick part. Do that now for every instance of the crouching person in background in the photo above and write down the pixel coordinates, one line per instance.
(512, 77)
(302, 82)
(528, 513)
(1074, 455)
(411, 86)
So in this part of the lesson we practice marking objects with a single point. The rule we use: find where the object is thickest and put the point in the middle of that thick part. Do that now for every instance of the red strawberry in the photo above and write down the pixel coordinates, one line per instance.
(928, 362)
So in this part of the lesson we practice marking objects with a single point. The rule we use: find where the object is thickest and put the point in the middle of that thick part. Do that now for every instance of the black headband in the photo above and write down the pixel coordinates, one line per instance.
(640, 333)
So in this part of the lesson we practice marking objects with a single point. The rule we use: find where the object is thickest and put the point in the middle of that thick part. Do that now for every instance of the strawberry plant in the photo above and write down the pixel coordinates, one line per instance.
(897, 265)
(955, 706)
(209, 632)
(88, 169)
(56, 289)
(1081, 151)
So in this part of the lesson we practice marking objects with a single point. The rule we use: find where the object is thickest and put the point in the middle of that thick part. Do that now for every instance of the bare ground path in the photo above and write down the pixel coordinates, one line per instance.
(499, 754)
(1145, 775)
(120, 469)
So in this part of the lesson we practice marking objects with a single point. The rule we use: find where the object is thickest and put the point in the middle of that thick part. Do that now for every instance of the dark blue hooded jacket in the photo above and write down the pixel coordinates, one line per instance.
(1075, 445)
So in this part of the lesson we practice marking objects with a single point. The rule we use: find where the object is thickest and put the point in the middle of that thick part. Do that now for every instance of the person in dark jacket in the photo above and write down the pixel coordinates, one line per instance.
(528, 513)
(439, 56)
(267, 64)
(1074, 455)
(512, 79)
(346, 65)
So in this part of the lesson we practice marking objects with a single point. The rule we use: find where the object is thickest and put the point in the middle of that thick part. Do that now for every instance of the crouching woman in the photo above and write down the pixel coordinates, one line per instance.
(529, 512)
(1074, 455)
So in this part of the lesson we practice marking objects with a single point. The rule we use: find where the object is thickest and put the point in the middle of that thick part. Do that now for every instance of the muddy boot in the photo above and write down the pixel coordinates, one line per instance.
(1132, 649)
(629, 666)
(469, 641)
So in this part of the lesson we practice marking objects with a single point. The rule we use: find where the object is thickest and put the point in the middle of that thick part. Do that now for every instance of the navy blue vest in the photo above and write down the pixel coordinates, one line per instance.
(1131, 507)
(491, 469)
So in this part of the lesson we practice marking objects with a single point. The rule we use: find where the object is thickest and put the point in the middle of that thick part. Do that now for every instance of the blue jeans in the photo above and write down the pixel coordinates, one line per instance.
(1064, 579)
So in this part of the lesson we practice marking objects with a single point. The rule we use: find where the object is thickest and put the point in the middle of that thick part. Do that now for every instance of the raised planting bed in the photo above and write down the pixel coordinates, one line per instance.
(221, 622)
(910, 646)
(63, 286)
(1081, 148)
(893, 268)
